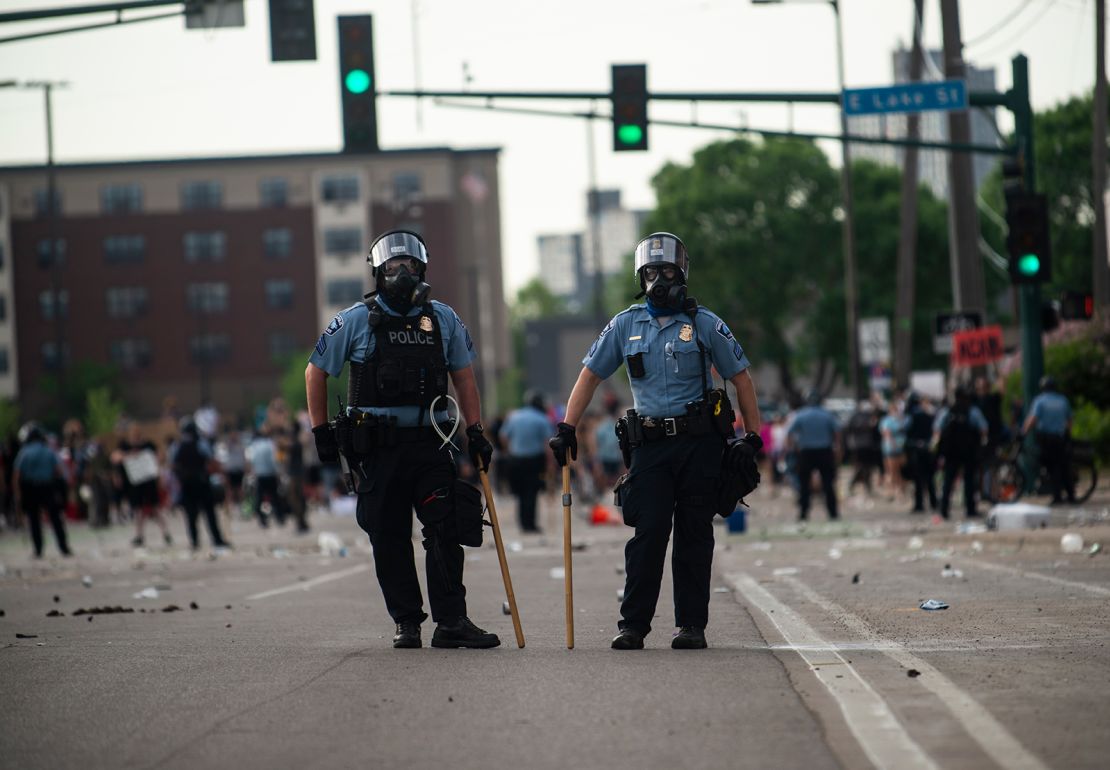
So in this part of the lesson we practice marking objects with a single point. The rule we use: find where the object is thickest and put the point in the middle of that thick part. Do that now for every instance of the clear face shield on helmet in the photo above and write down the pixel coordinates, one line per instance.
(398, 260)
(661, 263)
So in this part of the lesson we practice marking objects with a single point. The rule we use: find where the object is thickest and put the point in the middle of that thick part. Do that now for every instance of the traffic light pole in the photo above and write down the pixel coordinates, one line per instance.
(1029, 294)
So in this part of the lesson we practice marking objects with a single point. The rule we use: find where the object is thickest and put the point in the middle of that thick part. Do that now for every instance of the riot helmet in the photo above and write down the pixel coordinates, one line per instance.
(662, 265)
(398, 260)
(30, 431)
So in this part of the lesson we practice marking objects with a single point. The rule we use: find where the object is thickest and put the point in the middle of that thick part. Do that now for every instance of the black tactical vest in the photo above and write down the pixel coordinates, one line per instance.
(407, 367)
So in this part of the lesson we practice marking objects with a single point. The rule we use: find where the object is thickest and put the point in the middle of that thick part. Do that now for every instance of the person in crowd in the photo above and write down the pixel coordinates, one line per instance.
(1050, 418)
(893, 430)
(919, 455)
(959, 433)
(815, 433)
(140, 474)
(525, 435)
(679, 436)
(263, 465)
(192, 462)
(232, 459)
(864, 444)
(36, 472)
(610, 463)
(403, 348)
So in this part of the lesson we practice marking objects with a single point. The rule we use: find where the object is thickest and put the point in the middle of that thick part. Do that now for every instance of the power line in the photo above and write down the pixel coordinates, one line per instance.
(1010, 17)
(1045, 9)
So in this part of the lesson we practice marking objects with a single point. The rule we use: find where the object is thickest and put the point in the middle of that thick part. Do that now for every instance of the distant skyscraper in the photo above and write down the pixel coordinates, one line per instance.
(932, 164)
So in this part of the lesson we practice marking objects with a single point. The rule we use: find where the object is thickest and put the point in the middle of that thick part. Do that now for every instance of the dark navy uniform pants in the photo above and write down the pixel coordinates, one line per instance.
(673, 480)
(413, 474)
(824, 462)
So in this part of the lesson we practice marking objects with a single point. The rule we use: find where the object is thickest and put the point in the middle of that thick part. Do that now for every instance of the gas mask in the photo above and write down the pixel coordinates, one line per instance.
(403, 290)
(664, 287)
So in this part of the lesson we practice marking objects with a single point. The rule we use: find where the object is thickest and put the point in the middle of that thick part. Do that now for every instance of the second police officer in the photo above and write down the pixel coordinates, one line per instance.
(675, 437)
(403, 348)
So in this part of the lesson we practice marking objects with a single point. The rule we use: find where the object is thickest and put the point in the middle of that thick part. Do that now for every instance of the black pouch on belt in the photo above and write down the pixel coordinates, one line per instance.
(362, 435)
(468, 514)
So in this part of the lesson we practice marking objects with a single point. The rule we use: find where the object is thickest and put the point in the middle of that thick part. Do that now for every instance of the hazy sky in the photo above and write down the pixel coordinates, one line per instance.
(155, 90)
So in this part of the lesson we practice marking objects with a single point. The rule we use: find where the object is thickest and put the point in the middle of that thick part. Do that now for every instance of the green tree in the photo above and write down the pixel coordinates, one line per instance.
(68, 397)
(102, 411)
(10, 415)
(292, 383)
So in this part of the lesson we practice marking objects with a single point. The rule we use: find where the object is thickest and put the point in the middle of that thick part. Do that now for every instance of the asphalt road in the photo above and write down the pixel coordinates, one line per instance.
(819, 654)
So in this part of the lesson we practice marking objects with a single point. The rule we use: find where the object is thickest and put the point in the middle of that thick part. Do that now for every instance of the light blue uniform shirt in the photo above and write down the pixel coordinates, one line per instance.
(813, 427)
(974, 416)
(348, 338)
(1053, 412)
(672, 364)
(263, 460)
(36, 463)
(527, 431)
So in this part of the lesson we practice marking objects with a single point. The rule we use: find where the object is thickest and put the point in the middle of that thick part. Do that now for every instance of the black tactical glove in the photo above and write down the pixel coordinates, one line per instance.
(740, 462)
(565, 439)
(326, 445)
(478, 447)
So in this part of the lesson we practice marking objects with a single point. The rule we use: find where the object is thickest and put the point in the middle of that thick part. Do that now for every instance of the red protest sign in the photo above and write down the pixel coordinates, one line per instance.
(976, 347)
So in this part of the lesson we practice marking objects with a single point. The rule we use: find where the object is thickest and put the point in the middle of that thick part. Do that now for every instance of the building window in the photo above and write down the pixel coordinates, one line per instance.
(48, 304)
(340, 189)
(50, 358)
(209, 348)
(279, 294)
(45, 257)
(126, 301)
(205, 247)
(206, 298)
(121, 199)
(130, 353)
(273, 192)
(342, 241)
(277, 242)
(41, 200)
(124, 249)
(5, 366)
(282, 344)
(406, 186)
(344, 291)
(201, 195)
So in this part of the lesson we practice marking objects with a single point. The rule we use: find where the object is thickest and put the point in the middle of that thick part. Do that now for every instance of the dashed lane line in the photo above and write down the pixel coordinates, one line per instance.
(881, 736)
(307, 584)
(983, 728)
(1099, 590)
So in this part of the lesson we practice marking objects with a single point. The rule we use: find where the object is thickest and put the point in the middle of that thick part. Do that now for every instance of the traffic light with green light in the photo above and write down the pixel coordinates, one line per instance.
(630, 99)
(1028, 241)
(358, 92)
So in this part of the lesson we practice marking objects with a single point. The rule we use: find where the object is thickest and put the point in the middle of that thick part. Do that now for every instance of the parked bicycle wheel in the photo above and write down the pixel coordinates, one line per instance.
(1084, 475)
(1007, 483)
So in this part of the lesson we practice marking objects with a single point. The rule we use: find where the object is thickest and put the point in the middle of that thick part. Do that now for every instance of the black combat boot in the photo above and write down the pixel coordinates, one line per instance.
(628, 639)
(460, 632)
(689, 638)
(408, 635)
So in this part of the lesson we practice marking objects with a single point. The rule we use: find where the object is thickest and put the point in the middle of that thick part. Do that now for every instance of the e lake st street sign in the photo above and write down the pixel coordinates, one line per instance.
(909, 97)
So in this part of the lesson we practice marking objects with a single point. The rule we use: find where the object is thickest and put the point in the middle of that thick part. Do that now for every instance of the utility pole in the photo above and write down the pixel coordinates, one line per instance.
(593, 212)
(848, 234)
(1101, 265)
(968, 291)
(1029, 296)
(907, 240)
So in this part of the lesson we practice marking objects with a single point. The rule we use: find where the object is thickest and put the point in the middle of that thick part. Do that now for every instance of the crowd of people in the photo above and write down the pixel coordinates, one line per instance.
(177, 467)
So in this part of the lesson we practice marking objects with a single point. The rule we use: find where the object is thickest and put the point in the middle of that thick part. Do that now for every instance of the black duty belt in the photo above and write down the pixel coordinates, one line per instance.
(658, 428)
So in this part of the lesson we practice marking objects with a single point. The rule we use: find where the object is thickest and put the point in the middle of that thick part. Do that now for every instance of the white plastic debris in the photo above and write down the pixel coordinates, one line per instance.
(150, 592)
(1071, 542)
(330, 544)
(87, 581)
(950, 572)
(516, 546)
(1009, 516)
(556, 573)
(835, 553)
(915, 543)
(785, 571)
(976, 547)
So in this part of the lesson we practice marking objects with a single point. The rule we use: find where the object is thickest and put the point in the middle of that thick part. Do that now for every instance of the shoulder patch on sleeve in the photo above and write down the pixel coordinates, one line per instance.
(723, 329)
(335, 325)
(322, 344)
(737, 350)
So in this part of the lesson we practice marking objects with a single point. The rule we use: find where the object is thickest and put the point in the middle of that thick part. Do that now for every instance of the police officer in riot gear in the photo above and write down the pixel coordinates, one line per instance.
(403, 348)
(1050, 418)
(678, 439)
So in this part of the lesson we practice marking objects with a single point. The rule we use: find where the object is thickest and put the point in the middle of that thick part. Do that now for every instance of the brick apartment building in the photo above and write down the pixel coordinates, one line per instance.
(203, 276)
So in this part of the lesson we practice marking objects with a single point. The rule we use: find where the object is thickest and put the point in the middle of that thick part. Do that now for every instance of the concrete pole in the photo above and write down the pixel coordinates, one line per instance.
(968, 291)
(907, 241)
(1100, 264)
(593, 213)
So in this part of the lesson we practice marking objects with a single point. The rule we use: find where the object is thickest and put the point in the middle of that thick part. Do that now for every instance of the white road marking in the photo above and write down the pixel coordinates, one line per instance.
(1100, 590)
(307, 584)
(881, 736)
(983, 728)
